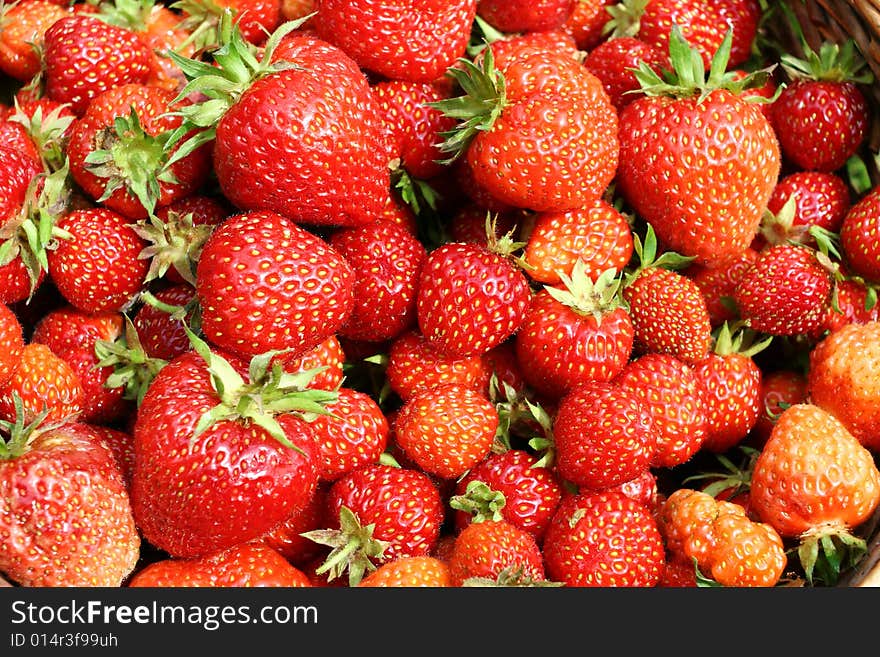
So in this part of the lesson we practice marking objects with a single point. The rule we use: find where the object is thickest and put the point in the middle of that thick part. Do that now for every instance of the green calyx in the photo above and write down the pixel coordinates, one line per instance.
(585, 296)
(833, 63)
(176, 242)
(355, 551)
(829, 550)
(20, 435)
(688, 76)
(236, 65)
(480, 501)
(738, 338)
(477, 109)
(133, 15)
(648, 256)
(33, 232)
(416, 193)
(625, 18)
(131, 159)
(47, 132)
(735, 478)
(133, 369)
(268, 392)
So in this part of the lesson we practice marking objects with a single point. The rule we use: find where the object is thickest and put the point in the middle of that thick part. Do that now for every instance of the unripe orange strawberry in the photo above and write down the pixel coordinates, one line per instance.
(420, 570)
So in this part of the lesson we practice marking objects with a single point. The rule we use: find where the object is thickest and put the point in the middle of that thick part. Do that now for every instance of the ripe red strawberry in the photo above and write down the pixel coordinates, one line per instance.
(65, 516)
(98, 269)
(853, 302)
(814, 482)
(566, 151)
(378, 514)
(42, 381)
(246, 565)
(718, 281)
(288, 536)
(329, 356)
(21, 35)
(387, 260)
(121, 444)
(858, 232)
(446, 429)
(669, 389)
(598, 233)
(603, 539)
(416, 571)
(211, 447)
(587, 22)
(530, 491)
(160, 333)
(786, 291)
(255, 19)
(402, 41)
(604, 435)
(779, 389)
(295, 129)
(697, 162)
(613, 61)
(821, 115)
(495, 552)
(576, 334)
(526, 15)
(83, 56)
(14, 136)
(668, 310)
(471, 297)
(413, 365)
(117, 151)
(354, 433)
(265, 283)
(726, 544)
(821, 198)
(844, 379)
(11, 343)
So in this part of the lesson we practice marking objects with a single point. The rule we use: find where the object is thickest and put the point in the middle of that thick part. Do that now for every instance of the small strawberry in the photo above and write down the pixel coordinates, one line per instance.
(814, 482)
(22, 26)
(65, 515)
(858, 232)
(844, 379)
(42, 381)
(288, 537)
(821, 198)
(614, 60)
(526, 15)
(409, 572)
(495, 552)
(718, 281)
(780, 389)
(587, 22)
(603, 539)
(328, 357)
(246, 565)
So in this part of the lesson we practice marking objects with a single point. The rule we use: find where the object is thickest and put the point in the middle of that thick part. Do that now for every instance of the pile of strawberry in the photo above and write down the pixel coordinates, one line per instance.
(447, 293)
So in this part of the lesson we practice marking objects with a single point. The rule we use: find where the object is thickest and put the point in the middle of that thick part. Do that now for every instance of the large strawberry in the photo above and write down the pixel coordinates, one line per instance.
(65, 515)
(296, 131)
(399, 40)
(212, 448)
(263, 283)
(495, 552)
(698, 160)
(526, 15)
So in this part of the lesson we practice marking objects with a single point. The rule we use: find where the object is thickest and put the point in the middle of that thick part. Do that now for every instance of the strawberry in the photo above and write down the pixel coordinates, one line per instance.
(668, 310)
(495, 552)
(354, 433)
(529, 490)
(42, 381)
(66, 518)
(401, 41)
(614, 60)
(288, 537)
(446, 429)
(587, 22)
(409, 572)
(566, 151)
(821, 198)
(98, 268)
(121, 444)
(526, 16)
(387, 260)
(598, 233)
(11, 343)
(857, 236)
(378, 513)
(668, 387)
(15, 137)
(246, 565)
(295, 129)
(210, 447)
(642, 488)
(814, 482)
(603, 539)
(83, 56)
(160, 333)
(328, 357)
(414, 365)
(786, 291)
(117, 152)
(471, 297)
(725, 543)
(730, 381)
(254, 19)
(263, 283)
(844, 379)
(821, 115)
(22, 27)
(694, 149)
(780, 389)
(576, 333)
(604, 435)
(853, 302)
(718, 281)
